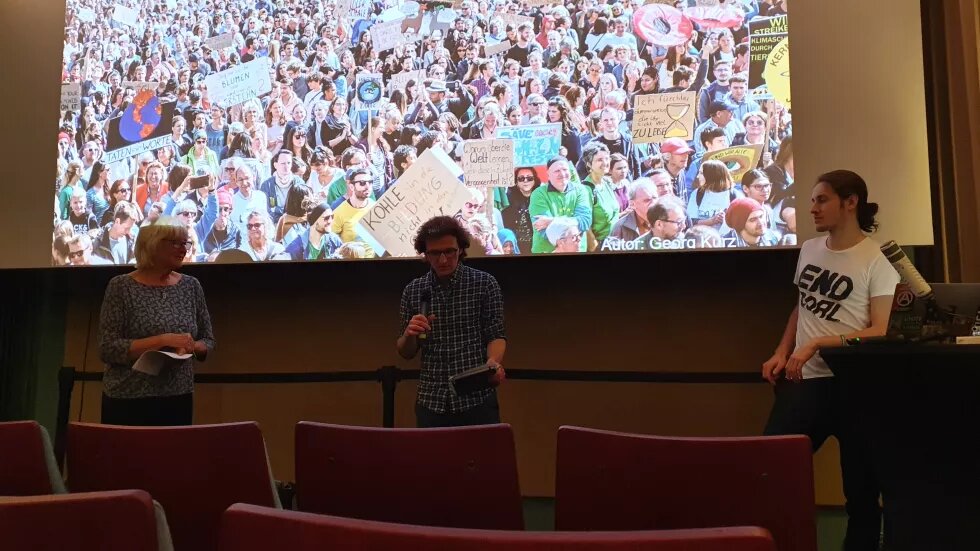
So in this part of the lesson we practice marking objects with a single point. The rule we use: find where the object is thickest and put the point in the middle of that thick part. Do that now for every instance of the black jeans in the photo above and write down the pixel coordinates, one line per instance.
(487, 413)
(813, 407)
(154, 411)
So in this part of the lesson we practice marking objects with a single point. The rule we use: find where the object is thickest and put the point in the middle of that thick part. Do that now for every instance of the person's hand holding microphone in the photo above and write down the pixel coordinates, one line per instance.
(421, 323)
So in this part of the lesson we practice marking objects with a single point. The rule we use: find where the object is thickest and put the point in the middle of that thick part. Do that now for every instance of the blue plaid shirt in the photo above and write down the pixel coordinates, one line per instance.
(469, 314)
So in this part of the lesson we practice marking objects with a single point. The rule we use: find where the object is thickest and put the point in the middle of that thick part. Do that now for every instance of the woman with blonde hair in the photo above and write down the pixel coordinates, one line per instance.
(155, 308)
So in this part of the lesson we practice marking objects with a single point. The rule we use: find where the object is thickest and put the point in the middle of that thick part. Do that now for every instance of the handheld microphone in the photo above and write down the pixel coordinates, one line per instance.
(896, 256)
(425, 305)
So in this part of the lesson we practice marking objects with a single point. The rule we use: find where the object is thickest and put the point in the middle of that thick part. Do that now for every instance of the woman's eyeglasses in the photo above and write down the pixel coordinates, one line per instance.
(525, 178)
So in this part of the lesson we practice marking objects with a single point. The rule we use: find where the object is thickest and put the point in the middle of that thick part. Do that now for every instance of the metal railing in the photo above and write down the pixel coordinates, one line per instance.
(389, 377)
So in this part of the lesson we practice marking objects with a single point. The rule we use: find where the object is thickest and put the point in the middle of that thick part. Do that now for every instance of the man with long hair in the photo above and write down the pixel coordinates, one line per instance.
(845, 286)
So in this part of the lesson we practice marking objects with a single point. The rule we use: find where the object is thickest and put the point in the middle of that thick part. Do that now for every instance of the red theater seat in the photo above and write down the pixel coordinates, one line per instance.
(27, 463)
(246, 528)
(463, 477)
(195, 472)
(617, 481)
(98, 521)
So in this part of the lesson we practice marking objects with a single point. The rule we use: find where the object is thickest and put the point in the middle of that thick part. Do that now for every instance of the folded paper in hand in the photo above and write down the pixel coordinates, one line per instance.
(152, 361)
(472, 380)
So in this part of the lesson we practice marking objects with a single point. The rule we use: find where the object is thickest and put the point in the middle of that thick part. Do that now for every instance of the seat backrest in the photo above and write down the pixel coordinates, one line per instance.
(27, 463)
(246, 527)
(617, 481)
(464, 477)
(195, 472)
(98, 521)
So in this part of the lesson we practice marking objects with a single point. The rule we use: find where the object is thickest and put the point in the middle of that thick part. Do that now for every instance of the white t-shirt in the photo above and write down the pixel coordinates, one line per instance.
(836, 288)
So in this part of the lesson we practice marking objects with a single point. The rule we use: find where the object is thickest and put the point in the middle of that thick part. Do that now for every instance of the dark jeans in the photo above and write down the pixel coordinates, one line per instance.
(813, 407)
(154, 411)
(486, 413)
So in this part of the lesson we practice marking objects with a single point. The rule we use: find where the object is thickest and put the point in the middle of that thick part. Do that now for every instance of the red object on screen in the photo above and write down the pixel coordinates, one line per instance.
(662, 25)
(714, 17)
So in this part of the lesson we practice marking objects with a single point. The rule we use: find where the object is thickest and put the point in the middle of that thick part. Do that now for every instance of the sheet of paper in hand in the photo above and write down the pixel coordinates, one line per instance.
(153, 361)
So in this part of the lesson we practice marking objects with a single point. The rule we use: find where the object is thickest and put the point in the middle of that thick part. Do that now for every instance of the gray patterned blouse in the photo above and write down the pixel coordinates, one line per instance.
(132, 310)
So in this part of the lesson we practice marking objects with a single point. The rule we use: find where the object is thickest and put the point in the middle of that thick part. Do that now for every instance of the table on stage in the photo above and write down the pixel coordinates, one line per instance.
(918, 407)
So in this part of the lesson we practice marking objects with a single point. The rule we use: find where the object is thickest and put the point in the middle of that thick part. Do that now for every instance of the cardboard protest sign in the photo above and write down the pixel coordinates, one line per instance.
(534, 144)
(124, 15)
(220, 42)
(139, 85)
(498, 48)
(400, 80)
(86, 15)
(488, 163)
(387, 35)
(71, 97)
(240, 83)
(352, 9)
(739, 159)
(515, 20)
(430, 187)
(144, 126)
(657, 117)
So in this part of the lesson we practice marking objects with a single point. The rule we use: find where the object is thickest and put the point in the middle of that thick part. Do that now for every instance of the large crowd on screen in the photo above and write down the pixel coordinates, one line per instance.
(287, 174)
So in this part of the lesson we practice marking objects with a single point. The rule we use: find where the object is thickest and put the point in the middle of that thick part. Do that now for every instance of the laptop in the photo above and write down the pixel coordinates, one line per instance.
(955, 313)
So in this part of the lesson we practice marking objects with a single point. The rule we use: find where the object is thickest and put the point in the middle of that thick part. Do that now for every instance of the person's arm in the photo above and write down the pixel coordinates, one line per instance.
(492, 329)
(880, 309)
(412, 326)
(583, 209)
(204, 339)
(774, 365)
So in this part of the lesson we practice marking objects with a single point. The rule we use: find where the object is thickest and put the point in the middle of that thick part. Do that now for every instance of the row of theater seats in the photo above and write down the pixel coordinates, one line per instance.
(463, 478)
(124, 520)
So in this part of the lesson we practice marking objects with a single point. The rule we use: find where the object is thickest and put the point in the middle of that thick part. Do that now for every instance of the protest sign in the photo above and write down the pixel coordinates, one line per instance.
(769, 25)
(657, 117)
(400, 80)
(124, 15)
(240, 83)
(71, 97)
(226, 40)
(765, 35)
(86, 15)
(739, 159)
(369, 88)
(534, 144)
(430, 187)
(515, 20)
(494, 49)
(387, 35)
(139, 85)
(488, 163)
(354, 9)
(144, 126)
(776, 72)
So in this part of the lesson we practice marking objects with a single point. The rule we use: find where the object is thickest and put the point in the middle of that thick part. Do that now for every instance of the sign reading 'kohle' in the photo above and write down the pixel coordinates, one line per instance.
(430, 187)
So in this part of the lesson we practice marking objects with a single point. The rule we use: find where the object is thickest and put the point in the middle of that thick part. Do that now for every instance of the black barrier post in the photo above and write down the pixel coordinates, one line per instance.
(66, 383)
(389, 381)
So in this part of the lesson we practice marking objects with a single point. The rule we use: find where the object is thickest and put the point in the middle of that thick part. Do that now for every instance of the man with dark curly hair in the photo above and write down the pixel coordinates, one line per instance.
(462, 327)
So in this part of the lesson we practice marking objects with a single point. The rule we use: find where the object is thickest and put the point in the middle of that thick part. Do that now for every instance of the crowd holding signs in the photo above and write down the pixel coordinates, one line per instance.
(327, 129)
